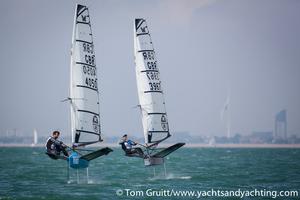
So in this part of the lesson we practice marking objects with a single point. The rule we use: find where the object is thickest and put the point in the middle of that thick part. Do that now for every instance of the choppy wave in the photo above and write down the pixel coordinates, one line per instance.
(27, 173)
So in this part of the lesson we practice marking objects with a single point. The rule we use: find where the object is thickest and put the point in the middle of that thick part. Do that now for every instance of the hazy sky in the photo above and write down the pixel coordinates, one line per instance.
(204, 49)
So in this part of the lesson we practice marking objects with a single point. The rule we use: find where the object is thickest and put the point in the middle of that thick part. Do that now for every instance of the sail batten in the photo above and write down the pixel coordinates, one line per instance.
(84, 93)
(150, 92)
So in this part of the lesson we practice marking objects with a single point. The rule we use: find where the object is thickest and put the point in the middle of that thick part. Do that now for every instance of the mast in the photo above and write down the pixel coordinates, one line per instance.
(72, 64)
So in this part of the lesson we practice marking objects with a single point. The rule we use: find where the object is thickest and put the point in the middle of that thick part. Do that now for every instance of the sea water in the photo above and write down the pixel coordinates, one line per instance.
(28, 173)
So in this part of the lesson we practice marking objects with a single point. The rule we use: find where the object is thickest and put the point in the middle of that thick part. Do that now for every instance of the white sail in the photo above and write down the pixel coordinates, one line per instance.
(84, 95)
(35, 137)
(151, 97)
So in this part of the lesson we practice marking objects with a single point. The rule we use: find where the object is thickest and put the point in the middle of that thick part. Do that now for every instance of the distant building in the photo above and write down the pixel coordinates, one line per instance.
(261, 137)
(280, 131)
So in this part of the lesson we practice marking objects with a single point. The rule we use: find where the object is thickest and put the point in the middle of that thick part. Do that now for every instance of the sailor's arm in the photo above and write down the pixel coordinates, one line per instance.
(57, 142)
(121, 141)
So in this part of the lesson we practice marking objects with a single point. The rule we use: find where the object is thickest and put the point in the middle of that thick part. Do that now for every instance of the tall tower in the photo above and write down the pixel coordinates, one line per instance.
(280, 125)
(226, 109)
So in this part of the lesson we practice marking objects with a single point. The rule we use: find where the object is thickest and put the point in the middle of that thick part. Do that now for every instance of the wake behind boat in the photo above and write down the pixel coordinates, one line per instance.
(151, 97)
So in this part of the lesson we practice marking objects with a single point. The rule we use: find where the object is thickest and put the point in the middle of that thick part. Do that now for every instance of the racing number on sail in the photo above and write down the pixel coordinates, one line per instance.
(89, 68)
(152, 71)
(154, 116)
(84, 93)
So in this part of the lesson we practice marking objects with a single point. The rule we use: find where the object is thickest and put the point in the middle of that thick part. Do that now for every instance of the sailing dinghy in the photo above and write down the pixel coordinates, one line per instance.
(84, 93)
(151, 97)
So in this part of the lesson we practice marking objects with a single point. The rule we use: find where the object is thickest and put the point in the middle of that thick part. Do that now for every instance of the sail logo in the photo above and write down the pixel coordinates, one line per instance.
(96, 123)
(144, 29)
(164, 122)
(141, 27)
(84, 18)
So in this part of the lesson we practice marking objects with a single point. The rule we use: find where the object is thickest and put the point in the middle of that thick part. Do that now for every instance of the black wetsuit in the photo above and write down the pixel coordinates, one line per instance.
(130, 151)
(55, 147)
(124, 147)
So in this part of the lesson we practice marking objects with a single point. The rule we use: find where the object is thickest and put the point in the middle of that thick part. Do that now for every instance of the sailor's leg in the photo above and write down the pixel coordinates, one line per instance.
(65, 152)
(58, 149)
(138, 151)
(52, 154)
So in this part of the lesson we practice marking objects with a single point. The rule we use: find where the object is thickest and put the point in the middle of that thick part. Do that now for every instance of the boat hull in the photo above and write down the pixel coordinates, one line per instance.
(76, 162)
(153, 161)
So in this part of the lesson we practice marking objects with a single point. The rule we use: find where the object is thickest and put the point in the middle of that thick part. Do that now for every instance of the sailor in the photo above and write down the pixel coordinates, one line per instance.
(54, 147)
(127, 146)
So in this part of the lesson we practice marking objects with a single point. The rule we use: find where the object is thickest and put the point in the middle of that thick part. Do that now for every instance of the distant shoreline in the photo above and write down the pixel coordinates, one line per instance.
(187, 145)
